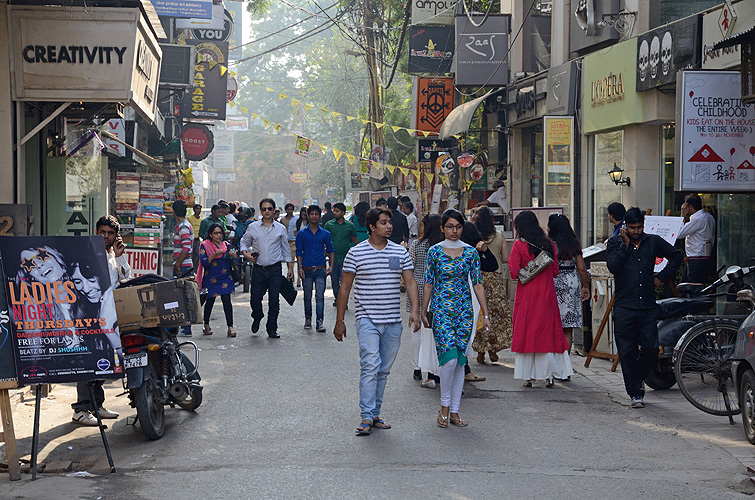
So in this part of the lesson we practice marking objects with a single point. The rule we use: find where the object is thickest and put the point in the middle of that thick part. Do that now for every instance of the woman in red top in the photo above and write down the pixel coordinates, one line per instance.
(539, 344)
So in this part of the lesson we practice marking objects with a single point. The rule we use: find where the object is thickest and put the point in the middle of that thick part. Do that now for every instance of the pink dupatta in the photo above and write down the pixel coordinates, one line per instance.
(209, 248)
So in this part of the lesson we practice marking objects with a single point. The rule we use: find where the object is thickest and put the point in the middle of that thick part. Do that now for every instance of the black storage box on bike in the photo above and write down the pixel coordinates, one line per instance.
(676, 307)
(153, 301)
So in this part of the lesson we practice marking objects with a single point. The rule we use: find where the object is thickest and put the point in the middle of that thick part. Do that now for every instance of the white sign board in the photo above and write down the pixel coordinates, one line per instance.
(716, 147)
(719, 24)
(667, 228)
(214, 23)
(433, 11)
(222, 156)
(143, 261)
(117, 127)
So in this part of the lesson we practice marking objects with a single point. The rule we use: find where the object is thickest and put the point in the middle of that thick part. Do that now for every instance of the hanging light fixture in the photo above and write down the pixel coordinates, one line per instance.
(615, 174)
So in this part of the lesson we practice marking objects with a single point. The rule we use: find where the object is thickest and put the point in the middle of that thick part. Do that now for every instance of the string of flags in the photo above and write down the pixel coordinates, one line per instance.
(307, 106)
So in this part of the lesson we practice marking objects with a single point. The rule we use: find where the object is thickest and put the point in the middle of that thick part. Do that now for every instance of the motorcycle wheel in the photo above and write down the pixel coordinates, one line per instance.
(247, 277)
(662, 377)
(747, 403)
(193, 403)
(149, 409)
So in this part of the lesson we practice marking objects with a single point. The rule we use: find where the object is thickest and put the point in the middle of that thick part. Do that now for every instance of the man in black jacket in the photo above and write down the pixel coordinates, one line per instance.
(631, 258)
(400, 232)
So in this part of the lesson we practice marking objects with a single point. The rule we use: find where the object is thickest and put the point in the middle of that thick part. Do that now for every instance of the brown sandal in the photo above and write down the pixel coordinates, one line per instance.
(458, 421)
(493, 356)
(441, 420)
(481, 357)
(206, 330)
(231, 332)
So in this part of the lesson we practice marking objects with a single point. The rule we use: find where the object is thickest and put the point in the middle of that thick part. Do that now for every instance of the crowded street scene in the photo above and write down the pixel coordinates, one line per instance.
(458, 249)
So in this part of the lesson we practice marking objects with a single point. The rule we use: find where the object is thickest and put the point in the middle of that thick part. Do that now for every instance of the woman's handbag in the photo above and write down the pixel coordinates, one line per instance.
(535, 266)
(488, 264)
(232, 264)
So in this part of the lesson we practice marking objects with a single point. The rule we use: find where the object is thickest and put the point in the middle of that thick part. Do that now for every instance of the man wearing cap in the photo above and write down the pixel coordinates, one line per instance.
(498, 197)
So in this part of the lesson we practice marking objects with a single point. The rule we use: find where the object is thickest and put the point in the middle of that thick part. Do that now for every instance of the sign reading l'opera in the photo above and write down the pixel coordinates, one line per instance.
(84, 54)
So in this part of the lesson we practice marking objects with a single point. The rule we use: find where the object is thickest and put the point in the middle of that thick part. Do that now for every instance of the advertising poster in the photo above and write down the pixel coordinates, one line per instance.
(667, 228)
(223, 165)
(207, 100)
(431, 49)
(302, 146)
(60, 302)
(558, 151)
(716, 150)
(8, 377)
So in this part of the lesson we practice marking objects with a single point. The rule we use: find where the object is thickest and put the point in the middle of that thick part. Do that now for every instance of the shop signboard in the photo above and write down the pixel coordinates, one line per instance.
(665, 50)
(562, 89)
(585, 30)
(207, 100)
(219, 29)
(117, 127)
(143, 261)
(428, 149)
(236, 40)
(431, 49)
(716, 143)
(197, 141)
(482, 51)
(728, 19)
(183, 8)
(609, 96)
(237, 123)
(559, 150)
(435, 101)
(222, 156)
(61, 305)
(213, 22)
(433, 11)
(90, 54)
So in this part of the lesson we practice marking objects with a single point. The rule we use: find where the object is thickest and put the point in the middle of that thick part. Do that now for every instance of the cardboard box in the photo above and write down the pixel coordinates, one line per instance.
(167, 304)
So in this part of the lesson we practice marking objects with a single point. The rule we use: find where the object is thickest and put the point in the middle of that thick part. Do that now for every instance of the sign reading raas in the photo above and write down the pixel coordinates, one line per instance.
(61, 306)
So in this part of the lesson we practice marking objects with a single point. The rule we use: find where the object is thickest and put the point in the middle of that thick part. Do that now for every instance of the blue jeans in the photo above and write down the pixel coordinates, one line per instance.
(335, 278)
(318, 278)
(378, 347)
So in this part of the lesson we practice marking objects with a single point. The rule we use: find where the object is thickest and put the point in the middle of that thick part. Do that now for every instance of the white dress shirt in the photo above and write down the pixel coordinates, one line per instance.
(118, 267)
(271, 242)
(700, 233)
(499, 198)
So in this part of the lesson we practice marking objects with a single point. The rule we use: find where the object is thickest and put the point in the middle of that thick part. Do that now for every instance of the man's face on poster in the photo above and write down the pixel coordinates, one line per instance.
(88, 287)
(42, 265)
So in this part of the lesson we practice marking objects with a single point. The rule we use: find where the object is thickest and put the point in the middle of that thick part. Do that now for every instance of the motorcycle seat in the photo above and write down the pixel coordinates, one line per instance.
(689, 289)
(677, 307)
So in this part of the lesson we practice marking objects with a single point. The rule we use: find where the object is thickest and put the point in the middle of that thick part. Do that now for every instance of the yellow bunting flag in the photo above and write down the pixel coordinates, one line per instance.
(365, 122)
(396, 128)
(335, 114)
(232, 73)
(269, 89)
(243, 109)
(379, 125)
(403, 170)
(324, 111)
(429, 177)
(266, 122)
(294, 102)
(232, 104)
(276, 127)
(255, 115)
(308, 106)
(337, 153)
(281, 96)
(349, 118)
(212, 63)
(417, 175)
(323, 147)
(425, 133)
(351, 158)
(223, 69)
(444, 178)
(390, 168)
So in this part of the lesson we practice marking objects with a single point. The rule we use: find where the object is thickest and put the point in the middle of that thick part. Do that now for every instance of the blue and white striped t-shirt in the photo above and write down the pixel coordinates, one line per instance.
(377, 280)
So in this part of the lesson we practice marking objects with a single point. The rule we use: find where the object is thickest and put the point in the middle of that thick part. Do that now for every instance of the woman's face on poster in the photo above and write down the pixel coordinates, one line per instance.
(42, 265)
(88, 287)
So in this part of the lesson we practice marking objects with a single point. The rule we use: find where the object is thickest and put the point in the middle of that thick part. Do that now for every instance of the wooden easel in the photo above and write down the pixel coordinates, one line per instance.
(594, 353)
(9, 434)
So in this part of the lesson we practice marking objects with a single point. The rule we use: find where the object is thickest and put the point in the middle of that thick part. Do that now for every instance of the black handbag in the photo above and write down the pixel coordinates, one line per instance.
(488, 263)
(232, 265)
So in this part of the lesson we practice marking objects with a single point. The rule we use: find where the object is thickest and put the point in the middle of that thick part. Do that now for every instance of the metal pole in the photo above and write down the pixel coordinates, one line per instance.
(35, 433)
(309, 190)
(102, 428)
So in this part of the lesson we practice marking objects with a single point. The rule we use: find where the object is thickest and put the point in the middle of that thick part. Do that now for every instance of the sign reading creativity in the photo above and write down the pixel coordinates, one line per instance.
(716, 150)
(60, 303)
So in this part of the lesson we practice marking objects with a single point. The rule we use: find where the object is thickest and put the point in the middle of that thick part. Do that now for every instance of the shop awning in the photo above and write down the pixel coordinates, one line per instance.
(735, 39)
(459, 119)
(151, 162)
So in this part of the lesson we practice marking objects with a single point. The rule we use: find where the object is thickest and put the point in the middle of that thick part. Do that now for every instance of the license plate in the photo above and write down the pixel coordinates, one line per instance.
(135, 360)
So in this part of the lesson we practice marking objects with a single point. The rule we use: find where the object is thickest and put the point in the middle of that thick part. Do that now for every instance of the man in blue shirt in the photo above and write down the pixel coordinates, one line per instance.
(312, 243)
(616, 213)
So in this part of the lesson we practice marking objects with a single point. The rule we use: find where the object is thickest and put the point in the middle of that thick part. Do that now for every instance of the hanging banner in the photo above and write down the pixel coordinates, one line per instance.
(559, 154)
(207, 100)
(716, 143)
(61, 305)
(302, 146)
(431, 49)
(482, 51)
(435, 101)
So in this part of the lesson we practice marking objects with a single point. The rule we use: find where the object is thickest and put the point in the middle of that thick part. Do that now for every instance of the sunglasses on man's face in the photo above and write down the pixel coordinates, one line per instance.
(266, 209)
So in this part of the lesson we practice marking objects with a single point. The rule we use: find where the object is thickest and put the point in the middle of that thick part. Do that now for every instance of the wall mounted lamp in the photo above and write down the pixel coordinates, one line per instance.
(615, 174)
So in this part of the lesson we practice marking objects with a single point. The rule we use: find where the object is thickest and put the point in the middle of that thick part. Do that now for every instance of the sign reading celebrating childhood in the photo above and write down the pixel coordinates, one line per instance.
(716, 150)
(60, 304)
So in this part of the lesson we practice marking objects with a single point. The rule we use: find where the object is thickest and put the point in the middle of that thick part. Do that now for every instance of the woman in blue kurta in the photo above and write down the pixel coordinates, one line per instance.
(217, 279)
(452, 266)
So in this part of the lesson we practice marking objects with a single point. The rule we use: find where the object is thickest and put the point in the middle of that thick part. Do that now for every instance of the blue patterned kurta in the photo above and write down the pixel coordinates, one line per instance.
(217, 274)
(451, 302)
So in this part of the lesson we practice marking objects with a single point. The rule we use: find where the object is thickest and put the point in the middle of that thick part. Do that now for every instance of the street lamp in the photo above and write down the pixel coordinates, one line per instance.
(615, 174)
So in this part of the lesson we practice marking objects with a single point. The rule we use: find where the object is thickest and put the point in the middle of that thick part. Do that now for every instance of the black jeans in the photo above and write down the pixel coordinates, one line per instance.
(636, 334)
(227, 309)
(267, 279)
(84, 400)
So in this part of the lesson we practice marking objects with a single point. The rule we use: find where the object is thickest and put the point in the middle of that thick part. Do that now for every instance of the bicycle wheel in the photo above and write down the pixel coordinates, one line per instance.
(702, 365)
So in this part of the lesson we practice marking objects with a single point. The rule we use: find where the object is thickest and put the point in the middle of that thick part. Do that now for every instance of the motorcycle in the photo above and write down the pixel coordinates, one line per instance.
(674, 320)
(158, 373)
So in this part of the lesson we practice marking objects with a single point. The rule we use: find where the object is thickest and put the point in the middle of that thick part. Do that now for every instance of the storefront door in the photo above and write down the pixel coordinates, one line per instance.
(77, 190)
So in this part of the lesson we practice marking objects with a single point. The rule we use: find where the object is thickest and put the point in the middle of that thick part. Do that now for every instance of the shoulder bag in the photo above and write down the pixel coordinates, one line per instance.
(535, 266)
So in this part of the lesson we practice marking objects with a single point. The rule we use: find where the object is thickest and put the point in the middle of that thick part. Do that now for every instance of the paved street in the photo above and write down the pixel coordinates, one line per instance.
(278, 421)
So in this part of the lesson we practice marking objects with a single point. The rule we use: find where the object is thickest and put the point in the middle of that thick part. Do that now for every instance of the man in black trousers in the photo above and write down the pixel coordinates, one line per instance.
(631, 258)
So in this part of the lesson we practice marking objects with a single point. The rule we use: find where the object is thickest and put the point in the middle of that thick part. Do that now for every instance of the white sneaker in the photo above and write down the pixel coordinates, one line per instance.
(430, 384)
(84, 417)
(105, 413)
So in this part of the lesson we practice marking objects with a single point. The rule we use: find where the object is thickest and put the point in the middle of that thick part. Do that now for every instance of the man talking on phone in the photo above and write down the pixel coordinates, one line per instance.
(265, 244)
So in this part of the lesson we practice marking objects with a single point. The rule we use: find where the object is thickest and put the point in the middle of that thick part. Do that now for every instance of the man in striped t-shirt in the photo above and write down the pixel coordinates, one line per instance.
(182, 240)
(375, 268)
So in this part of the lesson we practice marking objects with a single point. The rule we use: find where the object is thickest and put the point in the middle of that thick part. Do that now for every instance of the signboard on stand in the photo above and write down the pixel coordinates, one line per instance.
(559, 155)
(716, 148)
(143, 261)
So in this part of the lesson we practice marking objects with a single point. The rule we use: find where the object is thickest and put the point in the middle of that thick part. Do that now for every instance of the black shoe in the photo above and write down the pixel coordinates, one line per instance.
(256, 325)
(273, 335)
(417, 375)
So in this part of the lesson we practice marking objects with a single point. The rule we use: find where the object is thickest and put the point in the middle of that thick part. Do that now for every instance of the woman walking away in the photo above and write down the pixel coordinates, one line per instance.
(571, 271)
(424, 355)
(452, 266)
(359, 221)
(541, 351)
(215, 276)
(499, 337)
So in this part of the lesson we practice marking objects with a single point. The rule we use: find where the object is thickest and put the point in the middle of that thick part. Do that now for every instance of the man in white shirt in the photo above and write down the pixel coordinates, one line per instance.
(108, 227)
(700, 235)
(498, 197)
(411, 219)
(265, 244)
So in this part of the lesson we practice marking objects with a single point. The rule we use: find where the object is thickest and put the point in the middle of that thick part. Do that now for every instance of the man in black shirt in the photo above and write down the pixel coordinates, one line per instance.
(400, 232)
(631, 258)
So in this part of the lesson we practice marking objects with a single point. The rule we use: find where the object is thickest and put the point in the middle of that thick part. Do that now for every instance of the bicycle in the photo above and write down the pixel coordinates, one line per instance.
(704, 354)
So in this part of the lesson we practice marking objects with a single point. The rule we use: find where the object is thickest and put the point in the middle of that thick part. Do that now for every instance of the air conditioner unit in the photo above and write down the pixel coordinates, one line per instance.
(177, 67)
